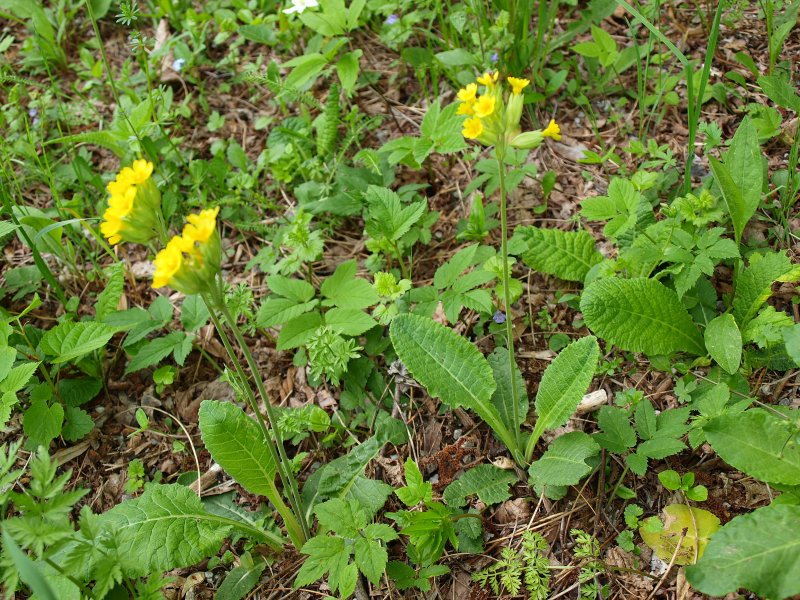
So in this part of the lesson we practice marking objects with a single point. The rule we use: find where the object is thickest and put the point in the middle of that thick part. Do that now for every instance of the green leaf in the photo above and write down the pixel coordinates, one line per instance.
(616, 433)
(345, 290)
(347, 69)
(502, 398)
(450, 368)
(305, 68)
(194, 313)
(324, 554)
(387, 216)
(18, 377)
(240, 581)
(165, 528)
(69, 341)
(724, 342)
(77, 392)
(77, 424)
(641, 315)
(563, 385)
(416, 489)
(488, 482)
(236, 444)
(42, 423)
(108, 299)
(564, 461)
(278, 311)
(154, 351)
(754, 283)
(759, 551)
(288, 287)
(299, 330)
(568, 255)
(349, 321)
(780, 91)
(741, 177)
(456, 58)
(260, 33)
(371, 558)
(757, 442)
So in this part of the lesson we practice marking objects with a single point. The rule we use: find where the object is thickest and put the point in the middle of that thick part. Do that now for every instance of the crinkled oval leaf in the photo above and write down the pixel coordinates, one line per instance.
(759, 551)
(724, 342)
(641, 315)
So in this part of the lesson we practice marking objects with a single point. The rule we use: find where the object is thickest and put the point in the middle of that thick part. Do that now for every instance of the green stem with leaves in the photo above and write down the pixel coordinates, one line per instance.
(294, 519)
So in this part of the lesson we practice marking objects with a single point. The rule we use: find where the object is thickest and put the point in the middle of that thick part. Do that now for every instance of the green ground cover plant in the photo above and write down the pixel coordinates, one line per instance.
(393, 299)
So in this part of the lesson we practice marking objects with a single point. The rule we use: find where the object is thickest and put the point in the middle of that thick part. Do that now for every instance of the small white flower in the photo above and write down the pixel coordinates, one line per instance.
(298, 6)
(178, 64)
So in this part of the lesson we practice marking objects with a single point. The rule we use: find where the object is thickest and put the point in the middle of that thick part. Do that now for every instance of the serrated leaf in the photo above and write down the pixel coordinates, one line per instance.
(450, 368)
(640, 315)
(76, 392)
(349, 321)
(388, 217)
(568, 255)
(563, 385)
(194, 313)
(754, 284)
(18, 377)
(154, 351)
(42, 423)
(564, 461)
(416, 489)
(780, 91)
(299, 330)
(345, 290)
(448, 273)
(487, 482)
(323, 555)
(295, 289)
(236, 444)
(371, 558)
(759, 551)
(616, 433)
(342, 518)
(108, 299)
(278, 311)
(755, 442)
(69, 341)
(164, 529)
(77, 424)
(724, 342)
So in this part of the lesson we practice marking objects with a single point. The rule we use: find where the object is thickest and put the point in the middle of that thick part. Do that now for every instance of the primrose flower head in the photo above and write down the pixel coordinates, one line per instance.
(552, 130)
(484, 106)
(472, 128)
(517, 84)
(191, 261)
(134, 206)
(489, 78)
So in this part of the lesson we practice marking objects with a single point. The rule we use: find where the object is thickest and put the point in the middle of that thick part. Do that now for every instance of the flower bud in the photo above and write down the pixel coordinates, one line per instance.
(528, 140)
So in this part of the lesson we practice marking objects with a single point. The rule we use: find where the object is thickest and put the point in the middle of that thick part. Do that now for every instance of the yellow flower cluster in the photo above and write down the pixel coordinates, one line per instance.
(133, 206)
(191, 260)
(494, 118)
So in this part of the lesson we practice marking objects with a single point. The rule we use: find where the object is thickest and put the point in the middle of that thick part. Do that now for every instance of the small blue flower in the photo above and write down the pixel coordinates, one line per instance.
(178, 64)
(392, 19)
(494, 57)
(499, 317)
(33, 112)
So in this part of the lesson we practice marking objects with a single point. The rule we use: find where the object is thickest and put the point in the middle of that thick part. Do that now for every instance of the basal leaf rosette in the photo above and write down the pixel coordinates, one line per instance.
(134, 206)
(493, 116)
(191, 261)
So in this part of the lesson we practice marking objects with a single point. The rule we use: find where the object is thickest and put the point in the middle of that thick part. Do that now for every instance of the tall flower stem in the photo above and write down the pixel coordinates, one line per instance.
(294, 519)
(500, 154)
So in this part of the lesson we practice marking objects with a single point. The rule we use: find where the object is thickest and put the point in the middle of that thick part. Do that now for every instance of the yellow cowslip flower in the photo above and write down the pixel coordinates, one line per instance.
(141, 171)
(190, 262)
(489, 79)
(552, 131)
(484, 106)
(201, 226)
(468, 93)
(466, 108)
(517, 84)
(472, 128)
(167, 262)
(134, 206)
